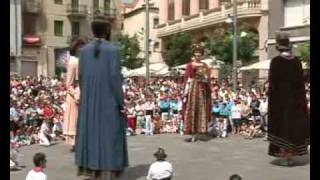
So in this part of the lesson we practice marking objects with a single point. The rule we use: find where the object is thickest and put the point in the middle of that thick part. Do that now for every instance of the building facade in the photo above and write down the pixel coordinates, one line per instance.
(49, 26)
(134, 18)
(201, 17)
(292, 16)
(15, 35)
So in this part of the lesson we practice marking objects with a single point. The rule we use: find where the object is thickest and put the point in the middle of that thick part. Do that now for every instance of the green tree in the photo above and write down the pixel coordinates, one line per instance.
(178, 50)
(221, 45)
(129, 50)
(304, 51)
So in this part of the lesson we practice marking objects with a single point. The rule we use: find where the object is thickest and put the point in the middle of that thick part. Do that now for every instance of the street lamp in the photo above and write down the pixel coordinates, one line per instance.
(233, 19)
(147, 41)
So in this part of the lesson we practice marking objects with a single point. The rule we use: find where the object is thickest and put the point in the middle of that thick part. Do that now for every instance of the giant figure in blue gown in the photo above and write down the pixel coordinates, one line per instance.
(101, 142)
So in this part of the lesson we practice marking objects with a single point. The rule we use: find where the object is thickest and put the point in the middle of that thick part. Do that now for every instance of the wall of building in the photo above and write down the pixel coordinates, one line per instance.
(135, 24)
(15, 27)
(298, 34)
(276, 16)
(45, 29)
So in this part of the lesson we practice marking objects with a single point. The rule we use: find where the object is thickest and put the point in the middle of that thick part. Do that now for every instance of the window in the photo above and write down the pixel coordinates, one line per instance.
(95, 4)
(58, 28)
(107, 4)
(155, 21)
(186, 7)
(75, 3)
(58, 1)
(75, 28)
(204, 4)
(296, 12)
(171, 10)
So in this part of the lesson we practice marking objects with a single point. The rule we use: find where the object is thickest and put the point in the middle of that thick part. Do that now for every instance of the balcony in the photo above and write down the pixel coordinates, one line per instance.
(297, 31)
(32, 6)
(80, 11)
(246, 9)
(104, 13)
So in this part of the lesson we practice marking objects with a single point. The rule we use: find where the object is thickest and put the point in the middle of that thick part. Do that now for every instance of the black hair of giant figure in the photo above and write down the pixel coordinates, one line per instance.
(76, 44)
(101, 29)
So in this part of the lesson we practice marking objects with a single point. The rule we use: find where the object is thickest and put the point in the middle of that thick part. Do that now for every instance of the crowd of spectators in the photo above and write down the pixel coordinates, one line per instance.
(36, 111)
(37, 106)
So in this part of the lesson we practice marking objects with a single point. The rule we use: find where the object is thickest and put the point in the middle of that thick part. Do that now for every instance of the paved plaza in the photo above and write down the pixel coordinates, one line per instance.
(216, 159)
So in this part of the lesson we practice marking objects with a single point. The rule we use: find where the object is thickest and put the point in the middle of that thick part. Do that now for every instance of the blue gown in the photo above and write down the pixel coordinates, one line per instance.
(101, 140)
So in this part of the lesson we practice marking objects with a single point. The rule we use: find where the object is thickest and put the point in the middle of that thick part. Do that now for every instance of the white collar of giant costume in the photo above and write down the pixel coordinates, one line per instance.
(287, 55)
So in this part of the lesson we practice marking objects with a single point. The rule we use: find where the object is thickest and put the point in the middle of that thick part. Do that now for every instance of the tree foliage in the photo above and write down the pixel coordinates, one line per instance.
(178, 50)
(304, 51)
(221, 45)
(129, 50)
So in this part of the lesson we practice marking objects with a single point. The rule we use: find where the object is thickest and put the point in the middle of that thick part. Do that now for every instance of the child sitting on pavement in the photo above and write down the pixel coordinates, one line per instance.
(161, 169)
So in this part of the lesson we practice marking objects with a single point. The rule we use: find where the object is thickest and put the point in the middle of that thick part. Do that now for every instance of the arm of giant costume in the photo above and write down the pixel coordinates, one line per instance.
(271, 79)
(116, 77)
(187, 79)
(79, 69)
(301, 86)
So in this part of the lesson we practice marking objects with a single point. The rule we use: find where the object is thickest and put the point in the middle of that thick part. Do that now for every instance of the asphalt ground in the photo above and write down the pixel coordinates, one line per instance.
(216, 159)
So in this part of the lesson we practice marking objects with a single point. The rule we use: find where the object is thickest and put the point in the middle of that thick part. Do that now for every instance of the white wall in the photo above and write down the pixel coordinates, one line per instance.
(134, 23)
(15, 27)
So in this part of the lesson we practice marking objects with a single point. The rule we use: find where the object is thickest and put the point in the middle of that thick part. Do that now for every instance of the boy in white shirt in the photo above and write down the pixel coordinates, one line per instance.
(236, 117)
(161, 169)
(39, 160)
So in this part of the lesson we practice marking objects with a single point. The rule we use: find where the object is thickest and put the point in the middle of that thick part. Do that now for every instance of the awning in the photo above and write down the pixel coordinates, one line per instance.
(31, 40)
(264, 65)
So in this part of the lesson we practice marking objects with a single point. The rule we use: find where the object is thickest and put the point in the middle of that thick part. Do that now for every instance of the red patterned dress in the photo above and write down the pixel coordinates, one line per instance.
(198, 99)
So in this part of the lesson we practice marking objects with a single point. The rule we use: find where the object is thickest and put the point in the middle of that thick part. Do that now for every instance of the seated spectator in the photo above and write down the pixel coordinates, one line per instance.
(161, 169)
(39, 160)
(45, 134)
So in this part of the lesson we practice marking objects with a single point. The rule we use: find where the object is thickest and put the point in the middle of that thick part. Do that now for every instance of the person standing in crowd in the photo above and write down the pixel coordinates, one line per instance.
(230, 124)
(101, 145)
(164, 105)
(263, 108)
(161, 169)
(140, 116)
(149, 114)
(198, 96)
(37, 173)
(131, 118)
(72, 98)
(254, 105)
(288, 123)
(236, 117)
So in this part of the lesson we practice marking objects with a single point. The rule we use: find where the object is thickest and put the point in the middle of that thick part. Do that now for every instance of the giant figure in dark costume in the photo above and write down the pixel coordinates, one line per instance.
(101, 145)
(288, 125)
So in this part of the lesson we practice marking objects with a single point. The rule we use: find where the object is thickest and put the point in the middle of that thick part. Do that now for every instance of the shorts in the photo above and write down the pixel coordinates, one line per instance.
(237, 122)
